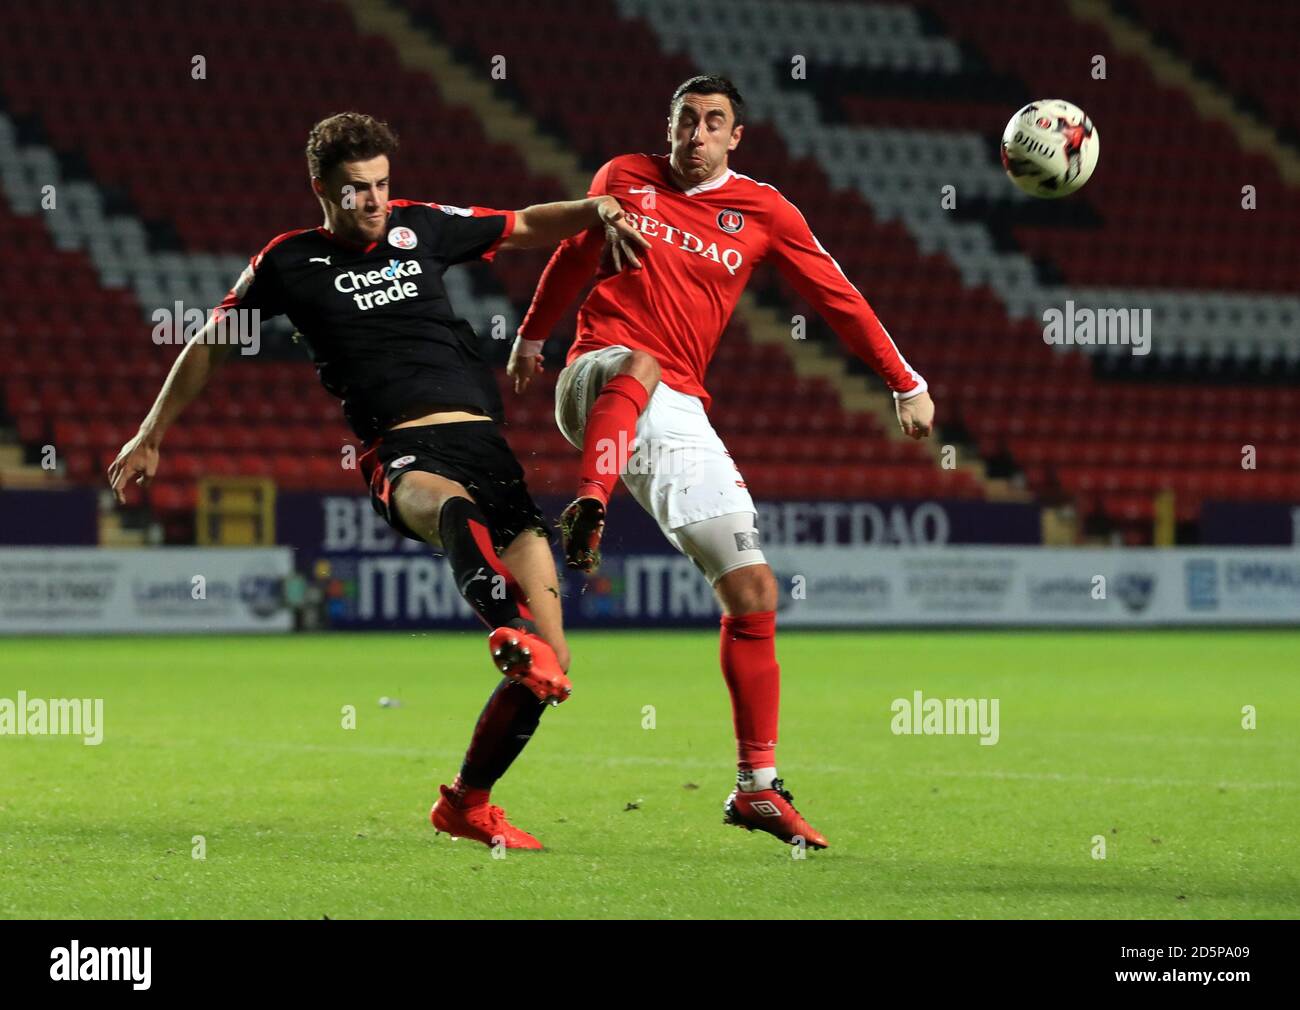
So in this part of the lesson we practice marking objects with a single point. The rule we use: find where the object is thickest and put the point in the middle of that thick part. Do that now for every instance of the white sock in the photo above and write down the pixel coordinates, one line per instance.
(756, 780)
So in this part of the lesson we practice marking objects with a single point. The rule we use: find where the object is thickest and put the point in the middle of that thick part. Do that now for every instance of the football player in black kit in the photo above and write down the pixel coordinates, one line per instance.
(365, 292)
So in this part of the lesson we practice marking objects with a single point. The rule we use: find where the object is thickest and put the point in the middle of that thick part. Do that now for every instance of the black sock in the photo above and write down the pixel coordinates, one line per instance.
(483, 580)
(503, 729)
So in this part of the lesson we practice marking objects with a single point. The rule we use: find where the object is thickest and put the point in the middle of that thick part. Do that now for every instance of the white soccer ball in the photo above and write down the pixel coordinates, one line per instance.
(1050, 148)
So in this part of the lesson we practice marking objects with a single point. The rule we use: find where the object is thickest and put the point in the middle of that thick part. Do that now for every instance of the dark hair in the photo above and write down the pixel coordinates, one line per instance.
(711, 84)
(347, 136)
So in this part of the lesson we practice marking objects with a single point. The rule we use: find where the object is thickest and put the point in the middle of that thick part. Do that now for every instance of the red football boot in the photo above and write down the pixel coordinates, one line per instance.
(527, 659)
(483, 823)
(771, 810)
(581, 524)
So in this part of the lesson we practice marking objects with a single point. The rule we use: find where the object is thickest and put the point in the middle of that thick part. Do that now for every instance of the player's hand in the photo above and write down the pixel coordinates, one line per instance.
(138, 459)
(622, 239)
(522, 367)
(916, 415)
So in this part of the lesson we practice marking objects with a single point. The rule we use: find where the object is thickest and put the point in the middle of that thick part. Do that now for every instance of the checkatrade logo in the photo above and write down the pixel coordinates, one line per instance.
(394, 276)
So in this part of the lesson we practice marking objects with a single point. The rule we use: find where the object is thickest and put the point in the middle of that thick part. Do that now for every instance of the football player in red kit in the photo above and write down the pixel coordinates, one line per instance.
(633, 389)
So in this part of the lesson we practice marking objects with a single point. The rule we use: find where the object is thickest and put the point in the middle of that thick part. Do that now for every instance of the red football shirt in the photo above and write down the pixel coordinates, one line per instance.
(705, 243)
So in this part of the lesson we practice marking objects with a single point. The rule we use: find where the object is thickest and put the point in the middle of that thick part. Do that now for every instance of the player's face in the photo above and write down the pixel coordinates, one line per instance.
(702, 133)
(355, 195)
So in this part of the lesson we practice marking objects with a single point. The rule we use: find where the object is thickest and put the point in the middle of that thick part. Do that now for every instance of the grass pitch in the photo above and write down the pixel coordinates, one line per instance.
(1136, 737)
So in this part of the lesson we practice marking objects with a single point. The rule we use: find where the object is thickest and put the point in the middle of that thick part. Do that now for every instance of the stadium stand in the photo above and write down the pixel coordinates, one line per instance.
(158, 201)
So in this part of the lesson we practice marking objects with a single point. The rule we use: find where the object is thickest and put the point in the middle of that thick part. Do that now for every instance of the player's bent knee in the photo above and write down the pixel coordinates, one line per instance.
(644, 368)
(725, 548)
(418, 500)
(421, 518)
(748, 590)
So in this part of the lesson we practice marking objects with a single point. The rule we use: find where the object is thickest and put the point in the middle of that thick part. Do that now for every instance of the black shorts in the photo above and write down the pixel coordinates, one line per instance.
(472, 453)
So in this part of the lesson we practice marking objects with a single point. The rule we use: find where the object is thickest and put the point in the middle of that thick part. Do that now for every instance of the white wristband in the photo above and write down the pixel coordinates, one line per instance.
(921, 387)
(528, 348)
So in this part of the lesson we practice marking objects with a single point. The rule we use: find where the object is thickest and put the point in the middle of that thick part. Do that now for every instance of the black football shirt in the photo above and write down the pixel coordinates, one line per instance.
(376, 320)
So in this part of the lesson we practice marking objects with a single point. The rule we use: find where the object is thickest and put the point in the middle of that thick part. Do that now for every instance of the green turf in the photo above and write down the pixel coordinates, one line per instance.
(1134, 736)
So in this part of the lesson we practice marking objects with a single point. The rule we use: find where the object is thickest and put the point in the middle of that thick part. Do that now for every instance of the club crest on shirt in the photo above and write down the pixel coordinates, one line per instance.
(731, 221)
(402, 237)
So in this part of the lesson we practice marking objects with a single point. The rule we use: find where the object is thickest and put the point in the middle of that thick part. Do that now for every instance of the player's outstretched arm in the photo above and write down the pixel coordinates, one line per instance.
(548, 224)
(570, 267)
(196, 363)
(818, 278)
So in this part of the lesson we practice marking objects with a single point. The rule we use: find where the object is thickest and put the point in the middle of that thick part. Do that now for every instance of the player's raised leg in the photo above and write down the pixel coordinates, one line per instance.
(442, 512)
(511, 715)
(726, 549)
(444, 515)
(606, 445)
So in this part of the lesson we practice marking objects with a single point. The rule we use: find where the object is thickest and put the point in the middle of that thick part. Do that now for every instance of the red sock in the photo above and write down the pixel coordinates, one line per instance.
(754, 679)
(611, 429)
(506, 724)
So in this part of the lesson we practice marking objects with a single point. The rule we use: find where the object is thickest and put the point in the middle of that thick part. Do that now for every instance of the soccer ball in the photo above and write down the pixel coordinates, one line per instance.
(1050, 148)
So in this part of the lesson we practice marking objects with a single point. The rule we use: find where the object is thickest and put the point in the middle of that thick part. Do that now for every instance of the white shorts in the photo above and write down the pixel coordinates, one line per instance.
(679, 470)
